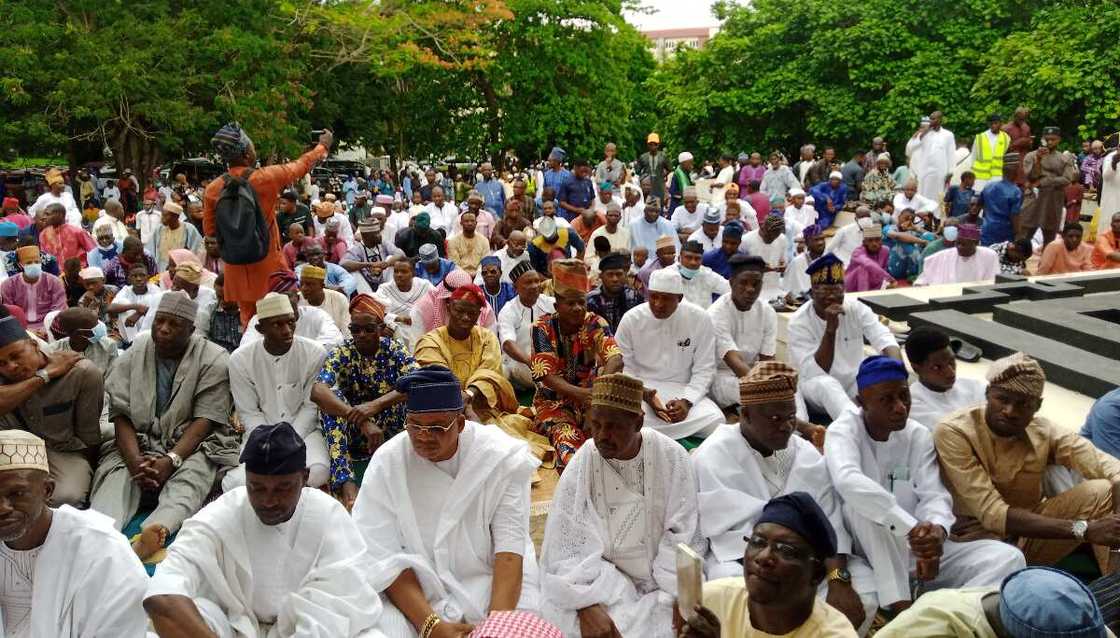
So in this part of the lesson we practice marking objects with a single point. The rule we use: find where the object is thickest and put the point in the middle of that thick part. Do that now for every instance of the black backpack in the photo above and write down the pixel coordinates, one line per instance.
(243, 236)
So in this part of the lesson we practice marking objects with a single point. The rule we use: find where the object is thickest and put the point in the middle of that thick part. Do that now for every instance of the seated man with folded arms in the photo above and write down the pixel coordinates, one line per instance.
(938, 392)
(58, 397)
(271, 558)
(746, 330)
(271, 381)
(66, 572)
(444, 512)
(897, 510)
(997, 457)
(624, 503)
(784, 562)
(169, 403)
(826, 339)
(359, 408)
(740, 467)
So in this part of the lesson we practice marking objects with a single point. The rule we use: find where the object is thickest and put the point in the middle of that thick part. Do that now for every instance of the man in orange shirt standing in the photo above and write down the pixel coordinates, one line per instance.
(247, 283)
(1106, 251)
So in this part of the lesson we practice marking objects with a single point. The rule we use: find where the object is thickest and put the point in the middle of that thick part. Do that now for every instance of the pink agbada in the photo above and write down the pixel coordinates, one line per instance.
(37, 299)
(948, 267)
(867, 271)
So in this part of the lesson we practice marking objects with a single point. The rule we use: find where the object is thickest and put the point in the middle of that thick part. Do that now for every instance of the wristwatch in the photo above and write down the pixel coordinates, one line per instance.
(42, 374)
(176, 460)
(1079, 528)
(841, 574)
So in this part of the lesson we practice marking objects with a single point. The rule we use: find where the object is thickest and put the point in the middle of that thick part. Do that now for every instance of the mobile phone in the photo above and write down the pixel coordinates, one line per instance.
(690, 581)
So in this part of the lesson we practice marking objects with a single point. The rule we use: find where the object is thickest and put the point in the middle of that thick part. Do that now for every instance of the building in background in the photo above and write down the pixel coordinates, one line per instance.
(663, 43)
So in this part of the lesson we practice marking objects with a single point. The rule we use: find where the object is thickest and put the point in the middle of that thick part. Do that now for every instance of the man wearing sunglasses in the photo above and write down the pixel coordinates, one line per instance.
(783, 564)
(444, 512)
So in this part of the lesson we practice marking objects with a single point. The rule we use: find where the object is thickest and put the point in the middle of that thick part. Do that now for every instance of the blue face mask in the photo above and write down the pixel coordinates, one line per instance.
(100, 331)
(33, 271)
(950, 233)
(687, 273)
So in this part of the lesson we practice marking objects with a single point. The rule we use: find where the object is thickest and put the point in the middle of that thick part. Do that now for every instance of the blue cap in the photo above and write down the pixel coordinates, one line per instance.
(798, 512)
(1041, 602)
(8, 229)
(490, 260)
(432, 388)
(733, 229)
(880, 369)
(557, 153)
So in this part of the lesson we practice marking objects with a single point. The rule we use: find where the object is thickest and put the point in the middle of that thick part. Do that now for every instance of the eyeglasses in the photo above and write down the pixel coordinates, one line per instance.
(434, 430)
(357, 329)
(785, 551)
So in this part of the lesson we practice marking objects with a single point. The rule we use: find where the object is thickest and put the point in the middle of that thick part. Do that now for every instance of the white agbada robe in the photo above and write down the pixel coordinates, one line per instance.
(928, 407)
(684, 220)
(774, 254)
(752, 333)
(704, 287)
(313, 323)
(73, 214)
(804, 216)
(832, 390)
(304, 577)
(888, 487)
(399, 304)
(127, 296)
(443, 216)
(709, 243)
(269, 389)
(607, 543)
(515, 323)
(413, 514)
(674, 357)
(933, 157)
(735, 482)
(795, 280)
(85, 580)
(947, 267)
(845, 241)
(1110, 191)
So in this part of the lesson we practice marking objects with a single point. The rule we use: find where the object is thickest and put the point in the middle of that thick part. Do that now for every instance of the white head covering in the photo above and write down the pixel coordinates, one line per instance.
(835, 175)
(667, 280)
(684, 156)
(796, 192)
(273, 304)
(22, 450)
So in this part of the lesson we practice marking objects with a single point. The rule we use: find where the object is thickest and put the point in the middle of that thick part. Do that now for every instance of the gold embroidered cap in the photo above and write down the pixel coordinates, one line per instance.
(619, 391)
(21, 450)
(1017, 373)
(314, 273)
(768, 382)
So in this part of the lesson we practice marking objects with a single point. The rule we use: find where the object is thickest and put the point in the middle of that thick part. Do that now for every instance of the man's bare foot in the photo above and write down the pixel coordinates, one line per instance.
(151, 540)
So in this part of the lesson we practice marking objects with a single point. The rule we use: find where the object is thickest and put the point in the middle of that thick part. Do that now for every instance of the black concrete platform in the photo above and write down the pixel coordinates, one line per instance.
(1091, 323)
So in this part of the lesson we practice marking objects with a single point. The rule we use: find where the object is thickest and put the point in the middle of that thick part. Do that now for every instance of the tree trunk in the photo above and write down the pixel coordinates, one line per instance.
(493, 120)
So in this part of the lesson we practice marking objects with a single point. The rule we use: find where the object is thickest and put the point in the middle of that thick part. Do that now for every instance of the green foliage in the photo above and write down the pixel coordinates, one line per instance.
(782, 73)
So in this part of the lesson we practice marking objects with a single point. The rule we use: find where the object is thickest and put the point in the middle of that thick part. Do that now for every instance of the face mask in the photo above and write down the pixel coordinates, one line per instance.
(33, 271)
(919, 224)
(688, 273)
(100, 331)
(951, 233)
(864, 222)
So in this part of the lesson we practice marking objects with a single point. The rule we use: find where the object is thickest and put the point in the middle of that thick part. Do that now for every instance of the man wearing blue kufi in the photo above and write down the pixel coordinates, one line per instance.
(884, 467)
(444, 512)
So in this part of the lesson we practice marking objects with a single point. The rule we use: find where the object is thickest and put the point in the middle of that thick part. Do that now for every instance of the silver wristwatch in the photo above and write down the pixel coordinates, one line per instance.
(42, 374)
(176, 460)
(1079, 528)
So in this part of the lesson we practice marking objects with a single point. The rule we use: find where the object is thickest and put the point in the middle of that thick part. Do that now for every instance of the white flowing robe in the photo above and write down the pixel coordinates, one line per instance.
(313, 323)
(932, 157)
(705, 287)
(676, 357)
(888, 487)
(1110, 192)
(87, 582)
(269, 389)
(947, 267)
(752, 334)
(320, 586)
(457, 572)
(928, 407)
(574, 572)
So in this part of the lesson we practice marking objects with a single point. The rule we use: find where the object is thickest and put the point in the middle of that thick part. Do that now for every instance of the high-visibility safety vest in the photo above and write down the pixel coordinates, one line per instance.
(988, 162)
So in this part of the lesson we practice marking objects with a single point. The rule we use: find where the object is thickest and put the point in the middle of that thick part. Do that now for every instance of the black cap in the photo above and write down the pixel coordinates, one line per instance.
(273, 450)
(613, 261)
(799, 513)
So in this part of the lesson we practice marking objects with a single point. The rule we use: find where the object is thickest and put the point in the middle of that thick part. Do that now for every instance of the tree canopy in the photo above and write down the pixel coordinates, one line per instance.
(783, 73)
